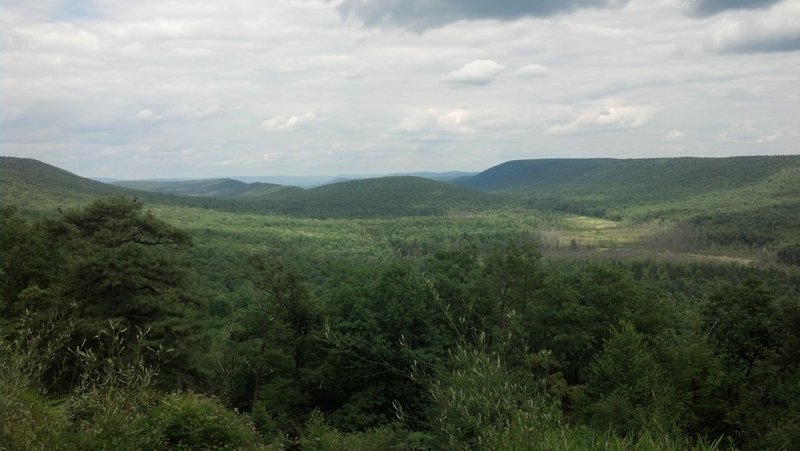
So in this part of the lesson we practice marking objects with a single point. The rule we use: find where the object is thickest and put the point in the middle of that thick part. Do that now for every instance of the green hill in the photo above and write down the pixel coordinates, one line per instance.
(33, 185)
(672, 186)
(209, 187)
(377, 197)
(37, 186)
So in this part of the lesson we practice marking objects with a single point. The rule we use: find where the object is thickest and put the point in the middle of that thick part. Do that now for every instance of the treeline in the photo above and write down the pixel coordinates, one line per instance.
(111, 340)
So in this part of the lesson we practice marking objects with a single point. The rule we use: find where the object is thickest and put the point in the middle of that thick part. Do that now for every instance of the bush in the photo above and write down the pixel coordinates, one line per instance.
(319, 436)
(190, 421)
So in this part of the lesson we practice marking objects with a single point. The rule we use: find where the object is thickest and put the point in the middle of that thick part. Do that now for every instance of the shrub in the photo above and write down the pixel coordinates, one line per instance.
(191, 421)
(319, 436)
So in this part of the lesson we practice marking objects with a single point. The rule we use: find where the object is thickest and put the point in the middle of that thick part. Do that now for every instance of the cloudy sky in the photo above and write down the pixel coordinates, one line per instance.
(148, 89)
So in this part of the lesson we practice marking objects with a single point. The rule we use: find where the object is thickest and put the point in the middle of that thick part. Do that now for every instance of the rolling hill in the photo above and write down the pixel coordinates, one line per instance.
(209, 187)
(609, 187)
(378, 197)
(37, 186)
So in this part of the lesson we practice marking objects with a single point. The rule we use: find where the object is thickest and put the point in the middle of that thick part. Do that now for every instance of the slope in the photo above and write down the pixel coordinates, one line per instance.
(33, 185)
(378, 197)
(207, 187)
(36, 186)
(644, 187)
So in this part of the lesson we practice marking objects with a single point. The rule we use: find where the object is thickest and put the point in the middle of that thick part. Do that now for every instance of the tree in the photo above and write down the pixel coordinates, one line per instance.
(740, 322)
(121, 264)
(29, 268)
(628, 390)
(381, 324)
(274, 337)
(516, 273)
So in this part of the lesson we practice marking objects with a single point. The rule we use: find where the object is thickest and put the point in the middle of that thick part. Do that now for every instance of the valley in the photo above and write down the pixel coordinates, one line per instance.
(597, 304)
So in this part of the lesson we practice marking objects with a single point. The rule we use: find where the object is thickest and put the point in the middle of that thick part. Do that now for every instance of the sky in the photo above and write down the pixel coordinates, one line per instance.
(182, 89)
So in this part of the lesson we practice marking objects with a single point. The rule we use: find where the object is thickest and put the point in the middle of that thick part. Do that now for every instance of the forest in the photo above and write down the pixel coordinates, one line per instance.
(504, 311)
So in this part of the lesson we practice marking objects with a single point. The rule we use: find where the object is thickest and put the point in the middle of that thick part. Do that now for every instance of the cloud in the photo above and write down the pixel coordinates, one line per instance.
(433, 121)
(604, 119)
(126, 89)
(704, 8)
(776, 30)
(287, 123)
(674, 136)
(420, 15)
(478, 72)
(148, 116)
(532, 71)
(746, 133)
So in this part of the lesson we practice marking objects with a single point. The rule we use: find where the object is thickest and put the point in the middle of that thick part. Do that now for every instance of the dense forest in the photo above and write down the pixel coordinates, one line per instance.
(504, 311)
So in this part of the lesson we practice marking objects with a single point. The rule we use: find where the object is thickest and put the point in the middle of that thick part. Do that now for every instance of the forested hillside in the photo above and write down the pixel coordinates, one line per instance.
(371, 198)
(394, 313)
(212, 187)
(31, 183)
(666, 186)
(645, 179)
(374, 197)
(736, 201)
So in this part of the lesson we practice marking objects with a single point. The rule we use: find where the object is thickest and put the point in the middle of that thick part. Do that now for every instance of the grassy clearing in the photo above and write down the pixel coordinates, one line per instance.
(575, 231)
(598, 238)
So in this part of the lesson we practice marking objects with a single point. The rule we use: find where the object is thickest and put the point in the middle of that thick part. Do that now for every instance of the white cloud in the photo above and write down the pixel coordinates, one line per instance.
(478, 72)
(148, 116)
(287, 122)
(746, 133)
(124, 89)
(433, 121)
(674, 136)
(532, 71)
(773, 30)
(604, 119)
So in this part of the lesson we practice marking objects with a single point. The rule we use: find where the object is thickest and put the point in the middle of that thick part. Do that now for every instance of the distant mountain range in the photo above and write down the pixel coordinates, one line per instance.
(210, 187)
(37, 186)
(635, 188)
(311, 181)
(651, 187)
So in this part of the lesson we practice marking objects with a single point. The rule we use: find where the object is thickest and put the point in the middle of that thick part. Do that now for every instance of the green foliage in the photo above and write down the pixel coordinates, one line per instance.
(758, 227)
(27, 353)
(615, 182)
(420, 299)
(123, 265)
(30, 278)
(114, 390)
(574, 307)
(319, 436)
(275, 336)
(627, 390)
(741, 322)
(42, 187)
(789, 255)
(379, 324)
(187, 421)
(213, 187)
(479, 404)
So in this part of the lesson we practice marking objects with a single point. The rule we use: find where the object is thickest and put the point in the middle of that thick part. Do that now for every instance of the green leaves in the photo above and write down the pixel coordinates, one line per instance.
(628, 390)
(741, 322)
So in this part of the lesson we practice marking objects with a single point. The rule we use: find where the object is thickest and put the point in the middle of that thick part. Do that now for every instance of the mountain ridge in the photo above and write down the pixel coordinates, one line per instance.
(33, 183)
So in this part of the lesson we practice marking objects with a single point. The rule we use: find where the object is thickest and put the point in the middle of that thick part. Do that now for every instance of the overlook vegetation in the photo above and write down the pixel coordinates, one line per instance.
(556, 304)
